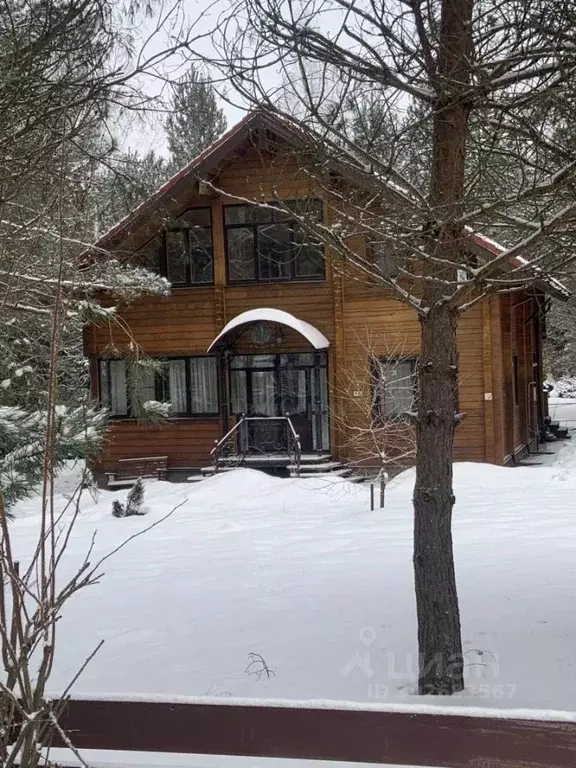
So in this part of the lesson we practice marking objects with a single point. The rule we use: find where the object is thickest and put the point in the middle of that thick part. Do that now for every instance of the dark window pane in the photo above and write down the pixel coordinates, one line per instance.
(241, 254)
(176, 255)
(195, 217)
(200, 237)
(309, 254)
(201, 265)
(275, 252)
(238, 361)
(246, 214)
(309, 261)
(297, 359)
(261, 361)
(148, 255)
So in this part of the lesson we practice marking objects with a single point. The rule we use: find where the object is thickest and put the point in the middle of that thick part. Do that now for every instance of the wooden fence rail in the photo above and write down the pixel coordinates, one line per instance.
(401, 738)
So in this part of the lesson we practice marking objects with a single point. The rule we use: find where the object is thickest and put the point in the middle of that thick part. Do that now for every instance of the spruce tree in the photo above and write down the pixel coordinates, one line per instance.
(135, 499)
(195, 120)
(118, 509)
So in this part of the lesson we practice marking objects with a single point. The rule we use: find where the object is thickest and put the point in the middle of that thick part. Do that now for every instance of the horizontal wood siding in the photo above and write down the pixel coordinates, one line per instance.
(186, 442)
(383, 326)
(351, 313)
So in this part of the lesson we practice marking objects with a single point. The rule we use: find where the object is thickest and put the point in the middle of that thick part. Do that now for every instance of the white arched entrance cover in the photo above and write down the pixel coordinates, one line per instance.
(269, 388)
(268, 315)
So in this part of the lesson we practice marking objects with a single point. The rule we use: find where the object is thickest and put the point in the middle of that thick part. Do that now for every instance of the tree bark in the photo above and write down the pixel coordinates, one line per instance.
(439, 641)
(439, 636)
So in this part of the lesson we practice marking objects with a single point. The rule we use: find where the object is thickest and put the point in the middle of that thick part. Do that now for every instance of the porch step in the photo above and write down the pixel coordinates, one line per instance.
(209, 471)
(317, 468)
(340, 472)
(198, 477)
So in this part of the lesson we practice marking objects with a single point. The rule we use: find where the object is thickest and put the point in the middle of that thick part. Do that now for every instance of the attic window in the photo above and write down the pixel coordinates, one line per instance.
(188, 257)
(267, 244)
(267, 141)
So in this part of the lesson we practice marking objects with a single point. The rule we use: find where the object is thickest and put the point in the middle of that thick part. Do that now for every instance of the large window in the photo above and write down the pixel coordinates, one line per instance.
(189, 384)
(187, 254)
(269, 244)
(394, 387)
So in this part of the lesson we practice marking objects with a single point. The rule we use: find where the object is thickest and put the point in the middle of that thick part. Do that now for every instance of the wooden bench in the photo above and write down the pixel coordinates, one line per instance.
(129, 470)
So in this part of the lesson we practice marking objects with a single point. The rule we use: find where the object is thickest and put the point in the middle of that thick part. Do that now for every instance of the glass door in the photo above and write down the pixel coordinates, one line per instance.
(272, 386)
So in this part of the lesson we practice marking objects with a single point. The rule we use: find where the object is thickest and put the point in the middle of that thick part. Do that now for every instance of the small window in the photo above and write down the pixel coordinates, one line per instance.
(386, 260)
(394, 387)
(266, 244)
(188, 252)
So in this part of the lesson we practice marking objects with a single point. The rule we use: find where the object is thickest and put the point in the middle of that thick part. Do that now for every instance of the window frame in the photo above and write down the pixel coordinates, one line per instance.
(256, 258)
(378, 414)
(173, 227)
(161, 386)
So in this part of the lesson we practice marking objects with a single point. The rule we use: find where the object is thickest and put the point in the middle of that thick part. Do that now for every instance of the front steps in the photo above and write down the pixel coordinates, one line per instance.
(554, 431)
(311, 465)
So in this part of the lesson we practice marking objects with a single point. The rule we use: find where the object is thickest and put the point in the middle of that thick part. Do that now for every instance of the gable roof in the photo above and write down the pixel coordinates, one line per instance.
(206, 161)
(292, 132)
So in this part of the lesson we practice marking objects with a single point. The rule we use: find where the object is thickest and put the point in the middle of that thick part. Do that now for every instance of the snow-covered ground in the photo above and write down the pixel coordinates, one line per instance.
(563, 409)
(303, 575)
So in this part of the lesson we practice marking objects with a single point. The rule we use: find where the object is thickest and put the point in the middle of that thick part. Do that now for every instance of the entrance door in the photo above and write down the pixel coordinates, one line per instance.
(295, 401)
(274, 386)
(266, 435)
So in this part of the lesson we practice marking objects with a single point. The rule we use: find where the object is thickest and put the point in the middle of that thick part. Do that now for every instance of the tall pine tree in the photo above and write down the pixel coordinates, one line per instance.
(195, 120)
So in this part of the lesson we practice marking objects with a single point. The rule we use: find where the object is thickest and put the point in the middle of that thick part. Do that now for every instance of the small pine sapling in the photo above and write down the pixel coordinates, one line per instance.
(118, 509)
(135, 499)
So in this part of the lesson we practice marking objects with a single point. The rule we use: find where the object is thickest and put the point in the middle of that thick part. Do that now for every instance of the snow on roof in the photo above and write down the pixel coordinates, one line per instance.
(264, 314)
(517, 261)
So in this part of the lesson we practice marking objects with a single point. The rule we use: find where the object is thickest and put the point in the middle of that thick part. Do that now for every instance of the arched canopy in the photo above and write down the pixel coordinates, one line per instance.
(265, 315)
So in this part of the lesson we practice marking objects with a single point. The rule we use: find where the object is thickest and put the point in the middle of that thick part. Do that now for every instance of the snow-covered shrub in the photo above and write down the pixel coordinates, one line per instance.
(118, 509)
(135, 499)
(134, 502)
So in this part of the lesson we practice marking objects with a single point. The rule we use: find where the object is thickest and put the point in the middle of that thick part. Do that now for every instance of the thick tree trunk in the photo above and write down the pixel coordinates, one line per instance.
(439, 638)
(439, 643)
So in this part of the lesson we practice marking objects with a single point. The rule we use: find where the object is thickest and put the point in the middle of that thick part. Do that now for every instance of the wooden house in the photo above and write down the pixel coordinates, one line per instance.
(263, 349)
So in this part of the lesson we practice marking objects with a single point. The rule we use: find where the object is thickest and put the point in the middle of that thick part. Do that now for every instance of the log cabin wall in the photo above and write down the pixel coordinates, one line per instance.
(521, 376)
(353, 316)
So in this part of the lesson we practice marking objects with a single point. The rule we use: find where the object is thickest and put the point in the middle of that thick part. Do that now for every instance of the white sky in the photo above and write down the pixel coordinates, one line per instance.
(143, 130)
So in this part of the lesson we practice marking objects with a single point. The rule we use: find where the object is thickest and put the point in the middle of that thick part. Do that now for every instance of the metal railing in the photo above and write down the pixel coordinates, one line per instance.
(245, 439)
